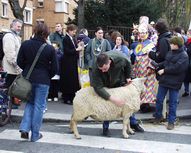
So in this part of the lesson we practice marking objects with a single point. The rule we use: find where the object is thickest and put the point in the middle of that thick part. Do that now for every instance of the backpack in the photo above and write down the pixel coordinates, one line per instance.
(2, 34)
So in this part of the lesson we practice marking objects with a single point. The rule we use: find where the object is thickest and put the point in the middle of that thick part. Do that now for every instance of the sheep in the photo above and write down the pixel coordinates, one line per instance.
(88, 104)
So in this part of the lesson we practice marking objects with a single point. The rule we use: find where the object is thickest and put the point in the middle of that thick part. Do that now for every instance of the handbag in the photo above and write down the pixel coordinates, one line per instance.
(21, 87)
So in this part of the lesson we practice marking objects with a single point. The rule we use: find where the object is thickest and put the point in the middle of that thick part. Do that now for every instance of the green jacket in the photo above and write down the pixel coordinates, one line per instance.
(56, 37)
(119, 71)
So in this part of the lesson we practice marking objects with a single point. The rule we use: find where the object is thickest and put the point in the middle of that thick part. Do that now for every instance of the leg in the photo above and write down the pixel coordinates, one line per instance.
(106, 128)
(159, 102)
(73, 125)
(129, 130)
(125, 126)
(41, 92)
(25, 125)
(134, 125)
(173, 98)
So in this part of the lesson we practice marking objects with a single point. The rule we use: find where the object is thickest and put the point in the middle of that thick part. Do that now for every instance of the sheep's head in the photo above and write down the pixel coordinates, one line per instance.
(139, 84)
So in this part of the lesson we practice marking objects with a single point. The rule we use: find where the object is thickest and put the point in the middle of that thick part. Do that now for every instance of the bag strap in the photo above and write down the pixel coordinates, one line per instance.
(35, 60)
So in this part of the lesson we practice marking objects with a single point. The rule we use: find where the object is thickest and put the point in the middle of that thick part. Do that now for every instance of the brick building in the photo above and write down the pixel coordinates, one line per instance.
(6, 16)
(53, 11)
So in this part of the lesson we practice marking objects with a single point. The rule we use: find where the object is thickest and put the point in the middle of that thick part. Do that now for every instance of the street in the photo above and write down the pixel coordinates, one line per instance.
(58, 139)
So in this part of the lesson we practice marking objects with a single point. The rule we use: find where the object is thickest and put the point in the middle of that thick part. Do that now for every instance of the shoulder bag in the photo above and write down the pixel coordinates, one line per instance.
(21, 87)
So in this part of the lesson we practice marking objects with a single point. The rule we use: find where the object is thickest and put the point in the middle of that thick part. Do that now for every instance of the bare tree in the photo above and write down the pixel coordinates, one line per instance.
(18, 11)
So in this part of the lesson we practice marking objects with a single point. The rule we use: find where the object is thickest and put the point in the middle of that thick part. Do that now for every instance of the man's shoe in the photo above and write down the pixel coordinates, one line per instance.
(106, 132)
(137, 128)
(185, 94)
(158, 120)
(24, 135)
(170, 126)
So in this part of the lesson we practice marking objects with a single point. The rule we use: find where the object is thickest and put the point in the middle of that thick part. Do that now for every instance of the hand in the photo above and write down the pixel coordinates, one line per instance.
(117, 101)
(160, 72)
(79, 48)
(128, 80)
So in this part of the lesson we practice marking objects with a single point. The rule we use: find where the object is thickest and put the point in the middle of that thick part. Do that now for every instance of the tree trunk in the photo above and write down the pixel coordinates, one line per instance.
(81, 14)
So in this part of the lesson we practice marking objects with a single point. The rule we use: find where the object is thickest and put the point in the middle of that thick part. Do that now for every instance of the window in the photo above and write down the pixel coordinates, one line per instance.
(28, 15)
(40, 3)
(62, 6)
(4, 9)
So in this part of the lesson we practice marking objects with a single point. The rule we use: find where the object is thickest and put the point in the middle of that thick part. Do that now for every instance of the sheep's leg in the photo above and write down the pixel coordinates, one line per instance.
(129, 130)
(73, 125)
(125, 123)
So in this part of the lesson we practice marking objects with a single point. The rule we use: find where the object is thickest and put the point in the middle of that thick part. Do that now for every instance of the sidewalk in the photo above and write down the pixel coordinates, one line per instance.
(59, 112)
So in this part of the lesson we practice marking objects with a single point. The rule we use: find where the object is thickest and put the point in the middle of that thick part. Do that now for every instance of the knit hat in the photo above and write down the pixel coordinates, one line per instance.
(177, 41)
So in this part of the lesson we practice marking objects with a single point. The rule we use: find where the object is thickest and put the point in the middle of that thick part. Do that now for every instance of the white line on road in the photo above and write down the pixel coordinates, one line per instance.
(143, 146)
(5, 151)
(148, 128)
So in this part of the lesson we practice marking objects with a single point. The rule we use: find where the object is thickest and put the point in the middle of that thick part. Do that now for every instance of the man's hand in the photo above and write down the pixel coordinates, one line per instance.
(160, 72)
(117, 101)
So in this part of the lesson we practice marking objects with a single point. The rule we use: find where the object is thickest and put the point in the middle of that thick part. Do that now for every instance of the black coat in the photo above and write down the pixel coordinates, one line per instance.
(188, 73)
(175, 66)
(162, 48)
(46, 66)
(69, 67)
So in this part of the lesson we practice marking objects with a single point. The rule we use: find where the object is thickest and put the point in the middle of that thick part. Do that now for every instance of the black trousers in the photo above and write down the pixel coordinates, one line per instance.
(54, 88)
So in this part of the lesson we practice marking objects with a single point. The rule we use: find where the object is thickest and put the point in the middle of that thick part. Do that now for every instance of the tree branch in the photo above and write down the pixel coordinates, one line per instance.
(24, 5)
(76, 1)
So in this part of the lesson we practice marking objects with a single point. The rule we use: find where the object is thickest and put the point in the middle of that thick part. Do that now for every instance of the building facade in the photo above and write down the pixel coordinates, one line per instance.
(7, 16)
(53, 11)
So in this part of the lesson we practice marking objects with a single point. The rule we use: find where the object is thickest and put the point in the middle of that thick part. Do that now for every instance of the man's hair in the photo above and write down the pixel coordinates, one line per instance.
(41, 30)
(162, 26)
(98, 28)
(15, 21)
(71, 27)
(83, 31)
(178, 30)
(102, 59)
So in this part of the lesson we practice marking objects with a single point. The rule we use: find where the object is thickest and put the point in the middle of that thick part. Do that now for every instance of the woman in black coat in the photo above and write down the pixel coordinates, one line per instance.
(69, 66)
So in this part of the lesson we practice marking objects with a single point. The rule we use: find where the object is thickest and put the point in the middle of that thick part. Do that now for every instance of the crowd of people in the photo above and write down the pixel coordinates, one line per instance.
(155, 53)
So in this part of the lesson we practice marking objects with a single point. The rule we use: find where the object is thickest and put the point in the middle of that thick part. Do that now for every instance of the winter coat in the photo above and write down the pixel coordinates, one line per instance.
(69, 67)
(175, 66)
(46, 66)
(56, 37)
(188, 73)
(11, 45)
(162, 48)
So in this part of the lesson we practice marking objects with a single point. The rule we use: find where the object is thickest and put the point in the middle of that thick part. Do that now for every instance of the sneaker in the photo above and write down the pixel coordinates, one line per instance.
(55, 99)
(158, 120)
(24, 135)
(170, 126)
(49, 99)
(185, 94)
(44, 111)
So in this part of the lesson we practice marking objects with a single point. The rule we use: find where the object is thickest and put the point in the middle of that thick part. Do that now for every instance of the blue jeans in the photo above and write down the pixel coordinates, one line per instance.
(133, 121)
(173, 99)
(33, 113)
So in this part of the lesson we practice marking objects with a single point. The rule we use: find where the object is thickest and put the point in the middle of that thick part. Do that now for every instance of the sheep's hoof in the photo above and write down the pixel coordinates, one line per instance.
(131, 132)
(126, 136)
(78, 137)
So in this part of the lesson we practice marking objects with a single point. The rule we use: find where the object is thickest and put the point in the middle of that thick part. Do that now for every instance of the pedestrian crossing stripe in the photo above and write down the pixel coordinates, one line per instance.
(104, 142)
(147, 127)
(5, 151)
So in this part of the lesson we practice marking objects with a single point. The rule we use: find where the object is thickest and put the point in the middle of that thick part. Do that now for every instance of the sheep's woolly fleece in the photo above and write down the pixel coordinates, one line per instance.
(88, 103)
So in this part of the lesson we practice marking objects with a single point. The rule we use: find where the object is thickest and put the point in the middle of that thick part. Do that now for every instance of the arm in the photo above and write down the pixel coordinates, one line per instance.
(54, 62)
(69, 48)
(20, 58)
(108, 46)
(127, 68)
(87, 52)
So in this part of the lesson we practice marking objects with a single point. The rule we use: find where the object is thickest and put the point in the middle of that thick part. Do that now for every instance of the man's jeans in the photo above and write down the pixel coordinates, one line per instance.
(133, 121)
(173, 99)
(34, 108)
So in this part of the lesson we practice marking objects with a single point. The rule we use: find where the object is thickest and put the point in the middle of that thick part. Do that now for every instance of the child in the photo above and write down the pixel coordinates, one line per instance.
(54, 84)
(172, 73)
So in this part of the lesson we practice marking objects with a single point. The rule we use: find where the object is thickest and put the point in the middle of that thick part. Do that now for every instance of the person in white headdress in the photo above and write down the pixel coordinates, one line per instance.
(143, 68)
